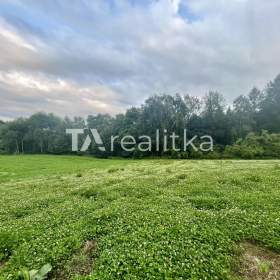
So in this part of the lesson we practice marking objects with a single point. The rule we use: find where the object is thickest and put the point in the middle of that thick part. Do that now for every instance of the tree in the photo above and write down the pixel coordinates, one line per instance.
(13, 135)
(213, 118)
(243, 121)
(193, 106)
(269, 115)
(255, 99)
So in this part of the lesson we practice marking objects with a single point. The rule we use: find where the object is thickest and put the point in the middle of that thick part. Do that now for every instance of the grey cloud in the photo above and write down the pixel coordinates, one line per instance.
(135, 51)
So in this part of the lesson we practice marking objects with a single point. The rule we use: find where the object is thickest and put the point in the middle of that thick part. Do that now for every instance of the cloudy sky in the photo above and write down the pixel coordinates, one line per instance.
(102, 56)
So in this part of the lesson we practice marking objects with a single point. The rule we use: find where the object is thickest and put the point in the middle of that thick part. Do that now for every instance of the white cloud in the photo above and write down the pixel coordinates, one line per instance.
(9, 33)
(41, 93)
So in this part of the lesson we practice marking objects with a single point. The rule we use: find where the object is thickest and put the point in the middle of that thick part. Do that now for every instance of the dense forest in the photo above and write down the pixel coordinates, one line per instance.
(248, 128)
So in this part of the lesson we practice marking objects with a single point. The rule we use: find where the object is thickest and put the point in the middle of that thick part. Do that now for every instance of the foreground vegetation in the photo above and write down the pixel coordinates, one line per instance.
(124, 219)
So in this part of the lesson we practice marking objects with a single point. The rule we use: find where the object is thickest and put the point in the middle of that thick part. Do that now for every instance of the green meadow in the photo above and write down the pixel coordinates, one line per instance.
(135, 219)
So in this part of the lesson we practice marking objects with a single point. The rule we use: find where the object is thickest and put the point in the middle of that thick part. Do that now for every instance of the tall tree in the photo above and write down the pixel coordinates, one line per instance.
(213, 118)
(269, 117)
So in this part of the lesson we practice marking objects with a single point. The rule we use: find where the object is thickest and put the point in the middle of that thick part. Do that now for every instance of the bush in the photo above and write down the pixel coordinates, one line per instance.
(255, 146)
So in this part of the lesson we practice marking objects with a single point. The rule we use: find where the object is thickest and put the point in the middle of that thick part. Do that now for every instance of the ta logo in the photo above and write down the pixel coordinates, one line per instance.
(96, 137)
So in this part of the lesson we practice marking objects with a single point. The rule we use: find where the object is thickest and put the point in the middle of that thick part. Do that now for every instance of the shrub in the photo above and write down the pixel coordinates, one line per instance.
(40, 274)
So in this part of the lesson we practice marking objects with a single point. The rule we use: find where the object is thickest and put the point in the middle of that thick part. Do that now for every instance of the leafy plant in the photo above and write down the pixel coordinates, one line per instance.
(8, 242)
(263, 266)
(40, 274)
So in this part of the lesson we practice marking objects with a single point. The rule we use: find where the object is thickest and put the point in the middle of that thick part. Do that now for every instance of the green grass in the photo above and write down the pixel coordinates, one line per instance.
(30, 166)
(150, 219)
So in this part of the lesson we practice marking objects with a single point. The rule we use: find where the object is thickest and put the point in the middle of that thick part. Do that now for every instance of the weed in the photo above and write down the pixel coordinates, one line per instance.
(113, 170)
(263, 266)
(182, 176)
(8, 242)
(40, 274)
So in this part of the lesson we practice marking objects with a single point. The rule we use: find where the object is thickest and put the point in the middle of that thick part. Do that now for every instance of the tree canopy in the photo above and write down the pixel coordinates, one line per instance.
(232, 127)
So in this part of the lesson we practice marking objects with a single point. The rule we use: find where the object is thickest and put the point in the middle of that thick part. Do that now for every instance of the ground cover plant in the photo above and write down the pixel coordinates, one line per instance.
(127, 219)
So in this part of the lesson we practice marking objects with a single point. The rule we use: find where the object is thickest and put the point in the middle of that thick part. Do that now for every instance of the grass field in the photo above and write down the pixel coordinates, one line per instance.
(124, 219)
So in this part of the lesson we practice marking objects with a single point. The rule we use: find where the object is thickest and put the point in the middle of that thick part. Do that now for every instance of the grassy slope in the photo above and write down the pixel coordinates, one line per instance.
(154, 219)
(30, 166)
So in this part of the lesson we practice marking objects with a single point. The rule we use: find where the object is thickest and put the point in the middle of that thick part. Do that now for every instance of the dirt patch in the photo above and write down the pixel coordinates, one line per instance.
(81, 263)
(2, 264)
(258, 263)
(90, 246)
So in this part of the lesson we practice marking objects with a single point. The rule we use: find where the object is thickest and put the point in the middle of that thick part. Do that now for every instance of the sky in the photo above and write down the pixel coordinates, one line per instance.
(85, 57)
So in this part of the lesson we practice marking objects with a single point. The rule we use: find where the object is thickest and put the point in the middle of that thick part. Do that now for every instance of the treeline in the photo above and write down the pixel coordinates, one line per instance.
(249, 128)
